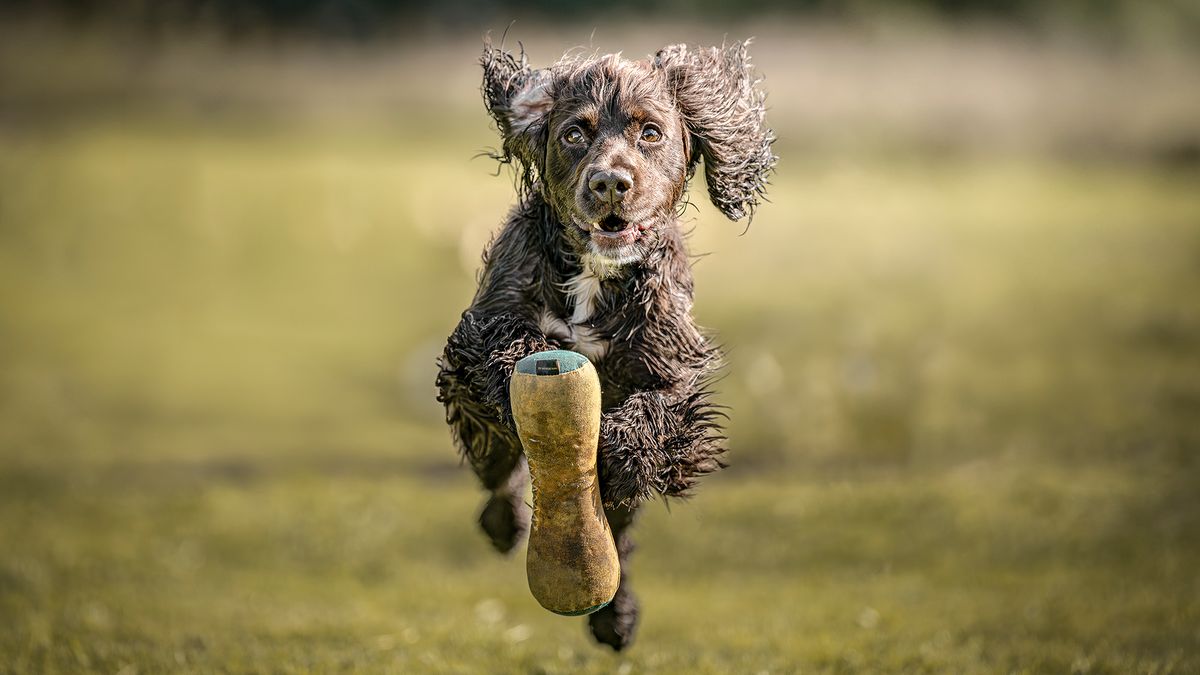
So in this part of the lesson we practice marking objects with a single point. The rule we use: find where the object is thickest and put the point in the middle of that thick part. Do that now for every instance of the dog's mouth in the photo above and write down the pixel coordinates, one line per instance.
(613, 228)
(614, 237)
(612, 223)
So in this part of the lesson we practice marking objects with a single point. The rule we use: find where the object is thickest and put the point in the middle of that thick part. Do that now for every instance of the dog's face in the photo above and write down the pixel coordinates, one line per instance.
(616, 158)
(610, 143)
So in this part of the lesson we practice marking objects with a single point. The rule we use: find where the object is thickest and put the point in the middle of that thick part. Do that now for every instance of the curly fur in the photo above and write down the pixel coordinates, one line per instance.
(659, 429)
(506, 78)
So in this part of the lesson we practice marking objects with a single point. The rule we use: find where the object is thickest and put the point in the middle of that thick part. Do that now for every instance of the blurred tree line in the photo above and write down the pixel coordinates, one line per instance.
(365, 19)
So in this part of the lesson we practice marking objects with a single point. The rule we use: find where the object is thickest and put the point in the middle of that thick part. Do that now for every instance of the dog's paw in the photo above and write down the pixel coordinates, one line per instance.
(505, 520)
(616, 624)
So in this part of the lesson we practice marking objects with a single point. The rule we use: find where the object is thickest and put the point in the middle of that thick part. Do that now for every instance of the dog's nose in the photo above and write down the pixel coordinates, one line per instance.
(610, 185)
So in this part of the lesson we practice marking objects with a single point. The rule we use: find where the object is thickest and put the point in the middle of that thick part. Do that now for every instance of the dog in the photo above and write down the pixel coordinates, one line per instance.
(592, 259)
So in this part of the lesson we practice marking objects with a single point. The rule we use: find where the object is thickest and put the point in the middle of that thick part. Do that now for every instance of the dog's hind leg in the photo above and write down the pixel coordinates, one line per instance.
(616, 623)
(505, 515)
(494, 453)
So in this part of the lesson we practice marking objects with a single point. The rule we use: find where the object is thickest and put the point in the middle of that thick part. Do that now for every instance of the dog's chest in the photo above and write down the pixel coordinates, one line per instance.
(584, 293)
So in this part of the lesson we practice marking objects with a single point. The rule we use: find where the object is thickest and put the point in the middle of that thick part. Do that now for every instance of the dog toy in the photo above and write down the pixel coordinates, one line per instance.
(572, 561)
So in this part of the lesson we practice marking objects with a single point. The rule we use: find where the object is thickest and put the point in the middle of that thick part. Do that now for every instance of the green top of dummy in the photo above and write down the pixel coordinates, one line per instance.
(552, 362)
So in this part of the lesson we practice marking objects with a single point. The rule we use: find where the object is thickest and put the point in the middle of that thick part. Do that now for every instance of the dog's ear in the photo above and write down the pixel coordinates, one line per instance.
(725, 112)
(519, 99)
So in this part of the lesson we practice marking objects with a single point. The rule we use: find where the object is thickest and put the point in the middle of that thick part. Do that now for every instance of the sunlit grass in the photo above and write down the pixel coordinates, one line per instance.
(963, 396)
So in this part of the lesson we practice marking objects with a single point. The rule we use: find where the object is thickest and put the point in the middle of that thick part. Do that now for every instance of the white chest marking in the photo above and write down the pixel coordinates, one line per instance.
(588, 343)
(554, 327)
(583, 289)
(584, 292)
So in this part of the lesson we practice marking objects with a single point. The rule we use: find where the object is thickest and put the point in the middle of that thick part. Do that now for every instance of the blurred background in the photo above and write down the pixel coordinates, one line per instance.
(963, 379)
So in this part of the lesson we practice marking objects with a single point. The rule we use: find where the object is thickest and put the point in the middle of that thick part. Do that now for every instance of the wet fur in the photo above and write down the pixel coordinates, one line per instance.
(659, 429)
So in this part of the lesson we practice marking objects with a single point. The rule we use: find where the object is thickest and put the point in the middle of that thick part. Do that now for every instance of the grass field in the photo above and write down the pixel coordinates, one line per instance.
(964, 393)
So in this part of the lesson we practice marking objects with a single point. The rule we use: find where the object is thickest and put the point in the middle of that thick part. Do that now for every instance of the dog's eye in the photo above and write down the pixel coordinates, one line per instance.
(651, 134)
(573, 136)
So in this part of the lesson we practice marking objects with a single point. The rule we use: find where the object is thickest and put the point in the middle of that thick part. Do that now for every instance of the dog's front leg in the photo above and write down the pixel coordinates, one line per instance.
(658, 442)
(473, 384)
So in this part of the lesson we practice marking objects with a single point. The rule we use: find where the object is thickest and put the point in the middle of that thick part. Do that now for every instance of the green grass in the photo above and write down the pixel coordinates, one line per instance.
(963, 390)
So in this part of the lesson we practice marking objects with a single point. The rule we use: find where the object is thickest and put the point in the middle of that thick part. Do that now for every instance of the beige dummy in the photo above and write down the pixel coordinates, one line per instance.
(572, 561)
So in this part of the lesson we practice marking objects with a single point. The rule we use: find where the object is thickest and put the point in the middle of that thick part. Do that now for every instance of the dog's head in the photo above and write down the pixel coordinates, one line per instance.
(611, 143)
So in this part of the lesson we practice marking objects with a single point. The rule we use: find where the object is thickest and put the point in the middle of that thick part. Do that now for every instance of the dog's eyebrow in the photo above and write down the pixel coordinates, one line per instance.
(640, 114)
(585, 116)
(643, 108)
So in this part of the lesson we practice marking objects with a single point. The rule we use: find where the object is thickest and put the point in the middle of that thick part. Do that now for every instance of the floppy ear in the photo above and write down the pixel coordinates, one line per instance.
(725, 112)
(519, 99)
